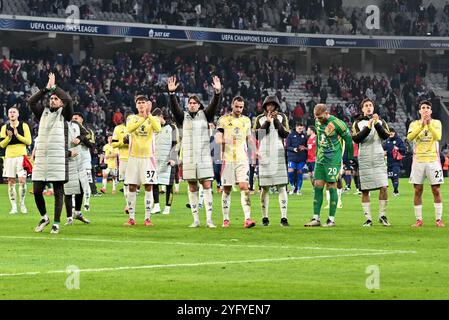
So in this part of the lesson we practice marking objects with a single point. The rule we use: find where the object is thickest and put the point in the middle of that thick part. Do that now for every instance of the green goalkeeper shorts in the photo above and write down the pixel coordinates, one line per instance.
(327, 173)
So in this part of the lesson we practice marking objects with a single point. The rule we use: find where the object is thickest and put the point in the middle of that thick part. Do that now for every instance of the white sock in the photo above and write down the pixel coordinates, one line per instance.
(12, 195)
(264, 201)
(22, 193)
(328, 197)
(225, 205)
(105, 182)
(201, 196)
(316, 217)
(246, 203)
(332, 218)
(339, 193)
(132, 204)
(438, 210)
(283, 201)
(208, 203)
(148, 204)
(86, 195)
(193, 200)
(114, 184)
(125, 193)
(418, 212)
(382, 207)
(366, 206)
(177, 187)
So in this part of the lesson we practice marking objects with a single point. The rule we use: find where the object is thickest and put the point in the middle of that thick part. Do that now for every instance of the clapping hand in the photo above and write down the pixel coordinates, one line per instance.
(51, 80)
(426, 120)
(149, 107)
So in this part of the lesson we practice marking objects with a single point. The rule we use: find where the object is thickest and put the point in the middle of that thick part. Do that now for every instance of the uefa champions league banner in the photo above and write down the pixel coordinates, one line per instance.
(135, 30)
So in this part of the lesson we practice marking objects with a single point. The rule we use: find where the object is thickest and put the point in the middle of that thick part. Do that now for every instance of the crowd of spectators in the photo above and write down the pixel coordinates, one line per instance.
(405, 87)
(103, 90)
(399, 17)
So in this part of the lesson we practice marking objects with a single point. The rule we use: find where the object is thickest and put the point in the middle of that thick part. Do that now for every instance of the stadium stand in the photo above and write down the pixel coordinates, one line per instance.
(101, 87)
(400, 18)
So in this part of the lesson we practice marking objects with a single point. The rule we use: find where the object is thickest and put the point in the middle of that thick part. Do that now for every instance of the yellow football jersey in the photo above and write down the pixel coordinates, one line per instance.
(108, 151)
(141, 130)
(15, 146)
(425, 138)
(236, 130)
(117, 138)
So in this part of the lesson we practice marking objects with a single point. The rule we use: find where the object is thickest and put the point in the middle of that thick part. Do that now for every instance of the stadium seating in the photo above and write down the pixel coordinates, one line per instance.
(269, 15)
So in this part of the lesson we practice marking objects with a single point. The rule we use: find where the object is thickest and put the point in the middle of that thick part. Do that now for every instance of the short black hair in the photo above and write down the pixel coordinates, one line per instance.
(78, 114)
(157, 112)
(392, 130)
(366, 100)
(15, 106)
(299, 123)
(425, 102)
(312, 128)
(238, 98)
(140, 97)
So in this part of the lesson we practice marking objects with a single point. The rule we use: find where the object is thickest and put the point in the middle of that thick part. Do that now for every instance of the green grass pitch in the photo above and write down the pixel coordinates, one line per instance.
(172, 261)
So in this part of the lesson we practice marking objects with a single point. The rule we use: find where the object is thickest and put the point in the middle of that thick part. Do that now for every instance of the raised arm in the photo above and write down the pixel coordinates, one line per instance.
(212, 107)
(174, 105)
(35, 98)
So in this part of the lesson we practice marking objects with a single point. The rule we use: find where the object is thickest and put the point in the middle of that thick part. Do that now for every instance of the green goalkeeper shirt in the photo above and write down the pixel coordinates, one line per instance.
(329, 146)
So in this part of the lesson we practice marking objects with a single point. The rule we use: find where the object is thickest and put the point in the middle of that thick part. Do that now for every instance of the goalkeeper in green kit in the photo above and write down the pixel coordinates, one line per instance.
(331, 132)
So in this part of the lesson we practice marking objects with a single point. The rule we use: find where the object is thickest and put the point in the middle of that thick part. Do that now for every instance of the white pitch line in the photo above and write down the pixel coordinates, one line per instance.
(227, 245)
(198, 264)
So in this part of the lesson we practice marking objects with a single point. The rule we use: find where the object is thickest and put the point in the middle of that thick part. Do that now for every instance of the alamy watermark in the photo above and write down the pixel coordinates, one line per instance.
(373, 279)
(373, 19)
(72, 281)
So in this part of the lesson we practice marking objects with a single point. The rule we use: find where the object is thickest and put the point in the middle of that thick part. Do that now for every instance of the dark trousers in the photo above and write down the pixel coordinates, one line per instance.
(217, 173)
(168, 194)
(69, 205)
(93, 185)
(58, 188)
(252, 171)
